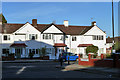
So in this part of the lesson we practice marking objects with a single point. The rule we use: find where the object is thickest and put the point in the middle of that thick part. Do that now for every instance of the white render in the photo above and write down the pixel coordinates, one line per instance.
(23, 37)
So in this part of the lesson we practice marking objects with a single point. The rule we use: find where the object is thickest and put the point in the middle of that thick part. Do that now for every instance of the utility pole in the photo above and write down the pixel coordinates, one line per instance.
(113, 52)
(113, 23)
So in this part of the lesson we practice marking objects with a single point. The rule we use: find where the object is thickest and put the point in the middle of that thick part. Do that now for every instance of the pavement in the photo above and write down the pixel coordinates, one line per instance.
(112, 72)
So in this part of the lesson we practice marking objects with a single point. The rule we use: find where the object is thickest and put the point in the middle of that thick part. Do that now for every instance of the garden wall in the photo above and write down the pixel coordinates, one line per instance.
(100, 62)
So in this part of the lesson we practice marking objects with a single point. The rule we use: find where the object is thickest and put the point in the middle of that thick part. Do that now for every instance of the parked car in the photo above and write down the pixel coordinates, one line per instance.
(72, 56)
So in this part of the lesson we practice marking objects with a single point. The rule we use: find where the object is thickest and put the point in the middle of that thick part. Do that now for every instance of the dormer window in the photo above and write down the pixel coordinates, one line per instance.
(6, 37)
(32, 36)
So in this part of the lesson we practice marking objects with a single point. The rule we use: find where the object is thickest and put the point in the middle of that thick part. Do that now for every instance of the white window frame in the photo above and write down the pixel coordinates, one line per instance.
(47, 36)
(33, 35)
(74, 38)
(8, 37)
(98, 37)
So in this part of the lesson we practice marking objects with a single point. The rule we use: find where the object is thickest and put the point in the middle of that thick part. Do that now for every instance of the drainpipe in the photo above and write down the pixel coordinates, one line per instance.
(70, 43)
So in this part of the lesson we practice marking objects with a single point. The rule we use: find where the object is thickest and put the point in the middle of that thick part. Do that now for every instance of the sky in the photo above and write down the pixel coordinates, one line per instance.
(77, 13)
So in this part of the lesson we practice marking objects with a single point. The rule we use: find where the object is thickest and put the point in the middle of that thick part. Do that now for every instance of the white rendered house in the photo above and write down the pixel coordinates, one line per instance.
(21, 39)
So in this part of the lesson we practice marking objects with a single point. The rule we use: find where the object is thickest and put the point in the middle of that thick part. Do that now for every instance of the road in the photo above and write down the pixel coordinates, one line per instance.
(43, 69)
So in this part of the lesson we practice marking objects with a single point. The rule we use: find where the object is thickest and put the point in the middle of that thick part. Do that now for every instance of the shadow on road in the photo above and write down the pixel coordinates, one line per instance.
(49, 69)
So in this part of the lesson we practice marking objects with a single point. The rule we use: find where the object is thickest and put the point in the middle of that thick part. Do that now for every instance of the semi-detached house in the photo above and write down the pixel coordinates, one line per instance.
(21, 39)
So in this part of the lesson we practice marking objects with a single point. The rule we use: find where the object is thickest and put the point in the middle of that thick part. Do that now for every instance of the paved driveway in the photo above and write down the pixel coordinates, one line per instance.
(46, 69)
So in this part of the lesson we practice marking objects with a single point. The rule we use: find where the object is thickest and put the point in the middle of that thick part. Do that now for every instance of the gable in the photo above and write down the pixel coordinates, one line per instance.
(27, 28)
(52, 29)
(95, 31)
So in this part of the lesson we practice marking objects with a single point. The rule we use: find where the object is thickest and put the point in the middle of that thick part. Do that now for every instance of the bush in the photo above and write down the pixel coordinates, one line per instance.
(108, 56)
(31, 54)
(92, 49)
(95, 55)
(44, 51)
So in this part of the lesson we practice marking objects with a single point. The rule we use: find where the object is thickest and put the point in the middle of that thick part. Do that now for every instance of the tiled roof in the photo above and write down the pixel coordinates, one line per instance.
(10, 28)
(84, 45)
(59, 45)
(18, 45)
(70, 30)
(110, 40)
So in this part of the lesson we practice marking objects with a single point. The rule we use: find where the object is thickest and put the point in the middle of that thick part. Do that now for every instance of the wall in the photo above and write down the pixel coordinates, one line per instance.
(100, 62)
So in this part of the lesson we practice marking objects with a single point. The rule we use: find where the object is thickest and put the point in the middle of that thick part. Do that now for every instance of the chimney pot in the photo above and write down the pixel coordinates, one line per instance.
(34, 22)
(66, 23)
(94, 23)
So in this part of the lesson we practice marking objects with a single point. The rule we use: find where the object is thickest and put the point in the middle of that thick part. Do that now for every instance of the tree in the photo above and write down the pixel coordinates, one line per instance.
(117, 47)
(31, 54)
(44, 51)
(3, 18)
(91, 49)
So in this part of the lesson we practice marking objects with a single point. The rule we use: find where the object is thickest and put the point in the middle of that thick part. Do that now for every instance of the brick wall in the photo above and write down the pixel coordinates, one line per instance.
(100, 62)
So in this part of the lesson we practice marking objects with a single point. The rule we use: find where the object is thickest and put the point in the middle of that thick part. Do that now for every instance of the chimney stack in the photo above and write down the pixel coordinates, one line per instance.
(66, 23)
(94, 23)
(34, 22)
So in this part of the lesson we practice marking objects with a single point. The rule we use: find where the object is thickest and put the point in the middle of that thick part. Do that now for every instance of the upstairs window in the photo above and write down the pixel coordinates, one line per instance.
(61, 38)
(33, 36)
(47, 36)
(98, 37)
(74, 38)
(6, 37)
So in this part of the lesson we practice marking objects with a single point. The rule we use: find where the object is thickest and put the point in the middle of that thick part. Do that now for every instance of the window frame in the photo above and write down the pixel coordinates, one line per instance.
(98, 37)
(47, 36)
(7, 37)
(74, 38)
(6, 52)
(33, 36)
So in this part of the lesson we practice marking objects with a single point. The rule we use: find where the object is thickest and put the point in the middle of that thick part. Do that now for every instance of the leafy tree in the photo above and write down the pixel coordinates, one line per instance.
(92, 49)
(43, 51)
(117, 47)
(3, 18)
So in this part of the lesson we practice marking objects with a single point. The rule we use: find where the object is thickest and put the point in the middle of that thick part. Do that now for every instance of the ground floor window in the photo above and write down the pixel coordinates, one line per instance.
(18, 52)
(34, 51)
(5, 51)
(49, 50)
(37, 51)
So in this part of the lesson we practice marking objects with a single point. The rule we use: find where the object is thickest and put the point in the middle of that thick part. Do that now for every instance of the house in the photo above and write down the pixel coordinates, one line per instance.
(109, 43)
(22, 39)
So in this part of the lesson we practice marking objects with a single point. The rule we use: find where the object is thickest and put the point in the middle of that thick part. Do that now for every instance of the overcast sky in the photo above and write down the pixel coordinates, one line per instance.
(77, 13)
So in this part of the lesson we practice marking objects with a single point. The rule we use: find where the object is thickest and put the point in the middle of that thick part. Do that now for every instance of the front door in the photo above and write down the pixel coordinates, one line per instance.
(18, 52)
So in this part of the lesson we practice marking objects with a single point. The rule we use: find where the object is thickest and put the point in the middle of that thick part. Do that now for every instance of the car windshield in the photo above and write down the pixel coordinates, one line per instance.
(71, 54)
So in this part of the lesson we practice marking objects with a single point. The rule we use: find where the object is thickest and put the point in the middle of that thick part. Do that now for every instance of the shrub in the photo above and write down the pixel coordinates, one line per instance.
(108, 56)
(44, 51)
(95, 55)
(31, 54)
(92, 49)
